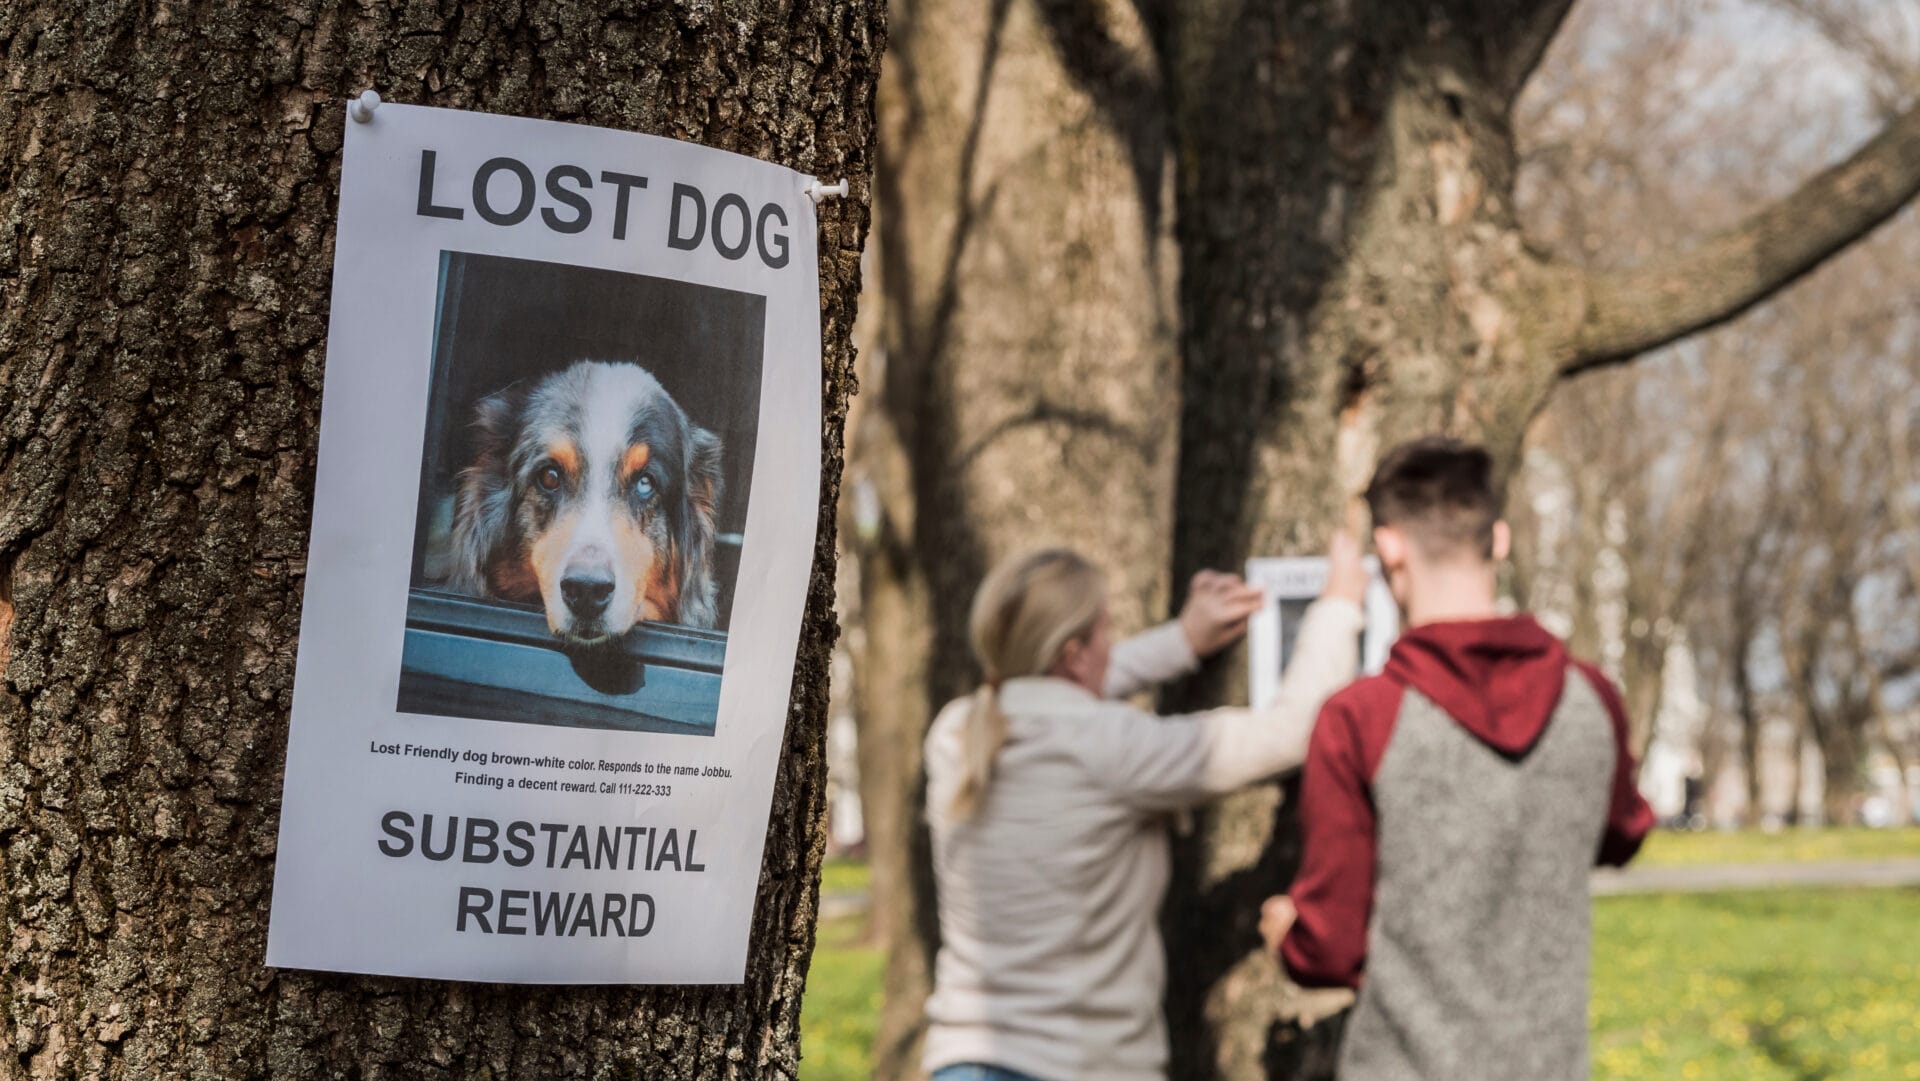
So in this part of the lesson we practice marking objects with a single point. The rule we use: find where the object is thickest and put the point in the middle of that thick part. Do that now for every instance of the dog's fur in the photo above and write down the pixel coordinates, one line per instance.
(592, 494)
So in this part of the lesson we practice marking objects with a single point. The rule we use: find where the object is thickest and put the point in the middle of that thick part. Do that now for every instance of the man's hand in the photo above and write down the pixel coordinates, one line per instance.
(1346, 572)
(1217, 609)
(1276, 919)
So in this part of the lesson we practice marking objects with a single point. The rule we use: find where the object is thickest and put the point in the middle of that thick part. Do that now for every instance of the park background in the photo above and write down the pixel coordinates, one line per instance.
(1729, 525)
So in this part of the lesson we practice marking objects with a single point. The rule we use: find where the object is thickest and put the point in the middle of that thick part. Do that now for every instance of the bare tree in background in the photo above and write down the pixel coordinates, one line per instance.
(1688, 448)
(1842, 631)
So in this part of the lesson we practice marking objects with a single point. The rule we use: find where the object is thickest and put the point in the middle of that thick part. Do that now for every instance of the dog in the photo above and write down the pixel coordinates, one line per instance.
(592, 494)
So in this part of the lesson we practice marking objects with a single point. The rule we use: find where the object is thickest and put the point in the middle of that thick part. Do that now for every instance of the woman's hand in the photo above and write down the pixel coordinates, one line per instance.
(1217, 609)
(1346, 572)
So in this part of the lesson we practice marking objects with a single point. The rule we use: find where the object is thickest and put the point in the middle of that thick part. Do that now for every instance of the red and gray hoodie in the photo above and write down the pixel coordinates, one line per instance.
(1452, 807)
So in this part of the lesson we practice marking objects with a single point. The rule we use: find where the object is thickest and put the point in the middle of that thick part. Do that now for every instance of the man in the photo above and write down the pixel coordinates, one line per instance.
(1452, 806)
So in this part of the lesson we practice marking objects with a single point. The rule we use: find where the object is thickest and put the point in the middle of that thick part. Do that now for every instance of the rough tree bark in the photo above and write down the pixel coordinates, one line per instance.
(168, 181)
(1350, 273)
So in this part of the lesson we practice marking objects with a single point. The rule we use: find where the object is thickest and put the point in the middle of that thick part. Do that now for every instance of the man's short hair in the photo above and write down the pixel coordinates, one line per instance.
(1441, 493)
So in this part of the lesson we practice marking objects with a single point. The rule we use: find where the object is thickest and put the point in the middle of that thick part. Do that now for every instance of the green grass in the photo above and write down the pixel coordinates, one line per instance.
(843, 876)
(1666, 848)
(1785, 985)
(841, 1005)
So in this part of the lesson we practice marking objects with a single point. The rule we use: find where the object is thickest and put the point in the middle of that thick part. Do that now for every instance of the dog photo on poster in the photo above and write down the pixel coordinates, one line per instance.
(584, 481)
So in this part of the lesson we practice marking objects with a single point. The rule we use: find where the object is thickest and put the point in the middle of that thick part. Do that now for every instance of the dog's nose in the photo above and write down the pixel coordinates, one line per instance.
(587, 592)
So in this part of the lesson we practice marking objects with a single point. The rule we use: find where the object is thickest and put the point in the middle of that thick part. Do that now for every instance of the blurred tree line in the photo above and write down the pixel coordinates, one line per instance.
(1161, 280)
(1750, 491)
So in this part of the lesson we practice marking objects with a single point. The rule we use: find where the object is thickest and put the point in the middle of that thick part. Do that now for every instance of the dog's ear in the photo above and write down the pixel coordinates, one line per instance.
(483, 505)
(703, 475)
(697, 608)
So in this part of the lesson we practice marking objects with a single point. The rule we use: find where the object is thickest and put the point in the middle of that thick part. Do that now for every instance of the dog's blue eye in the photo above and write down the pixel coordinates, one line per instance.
(643, 486)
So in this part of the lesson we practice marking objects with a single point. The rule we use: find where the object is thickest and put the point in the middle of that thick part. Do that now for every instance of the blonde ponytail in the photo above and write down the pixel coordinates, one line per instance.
(1024, 614)
(981, 738)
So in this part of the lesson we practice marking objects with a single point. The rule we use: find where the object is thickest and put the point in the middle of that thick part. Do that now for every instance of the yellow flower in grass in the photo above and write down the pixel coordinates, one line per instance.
(1620, 1062)
(1730, 1029)
(1870, 1057)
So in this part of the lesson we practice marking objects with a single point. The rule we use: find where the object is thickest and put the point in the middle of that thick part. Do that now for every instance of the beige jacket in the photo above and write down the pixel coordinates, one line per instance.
(1050, 958)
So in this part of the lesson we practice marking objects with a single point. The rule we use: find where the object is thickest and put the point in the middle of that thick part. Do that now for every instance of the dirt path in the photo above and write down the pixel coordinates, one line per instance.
(1697, 878)
(1711, 878)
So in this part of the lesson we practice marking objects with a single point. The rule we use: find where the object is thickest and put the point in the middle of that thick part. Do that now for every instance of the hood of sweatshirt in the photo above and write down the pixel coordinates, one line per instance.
(1499, 679)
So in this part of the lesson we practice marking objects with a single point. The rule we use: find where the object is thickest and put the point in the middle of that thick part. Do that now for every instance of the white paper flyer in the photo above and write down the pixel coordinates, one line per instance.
(1291, 584)
(562, 529)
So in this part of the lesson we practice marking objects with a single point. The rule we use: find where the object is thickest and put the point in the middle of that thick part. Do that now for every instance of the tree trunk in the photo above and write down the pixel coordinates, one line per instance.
(1747, 703)
(891, 685)
(1024, 381)
(170, 182)
(1840, 787)
(1845, 735)
(1643, 682)
(1350, 289)
(1796, 778)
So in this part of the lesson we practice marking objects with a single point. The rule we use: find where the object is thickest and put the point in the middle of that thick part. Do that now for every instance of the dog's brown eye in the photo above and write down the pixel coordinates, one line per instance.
(550, 478)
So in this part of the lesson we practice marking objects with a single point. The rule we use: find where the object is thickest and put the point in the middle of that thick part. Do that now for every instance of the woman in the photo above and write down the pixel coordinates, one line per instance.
(1048, 801)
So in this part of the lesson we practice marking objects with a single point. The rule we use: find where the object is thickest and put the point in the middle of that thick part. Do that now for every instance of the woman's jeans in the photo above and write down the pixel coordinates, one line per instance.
(974, 1071)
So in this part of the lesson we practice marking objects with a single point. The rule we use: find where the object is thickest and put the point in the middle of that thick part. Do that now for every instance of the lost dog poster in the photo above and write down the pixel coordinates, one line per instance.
(562, 529)
(1291, 584)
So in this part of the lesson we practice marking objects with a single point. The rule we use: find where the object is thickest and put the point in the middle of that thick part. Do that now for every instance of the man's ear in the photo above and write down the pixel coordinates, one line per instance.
(1391, 546)
(1502, 541)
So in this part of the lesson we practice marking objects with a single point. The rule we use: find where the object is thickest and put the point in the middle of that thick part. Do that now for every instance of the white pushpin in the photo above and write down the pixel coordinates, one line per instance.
(818, 191)
(362, 107)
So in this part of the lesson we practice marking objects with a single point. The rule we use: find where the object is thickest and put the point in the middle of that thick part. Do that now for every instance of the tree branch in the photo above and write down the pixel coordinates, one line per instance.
(1905, 476)
(1892, 77)
(1517, 37)
(1629, 312)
